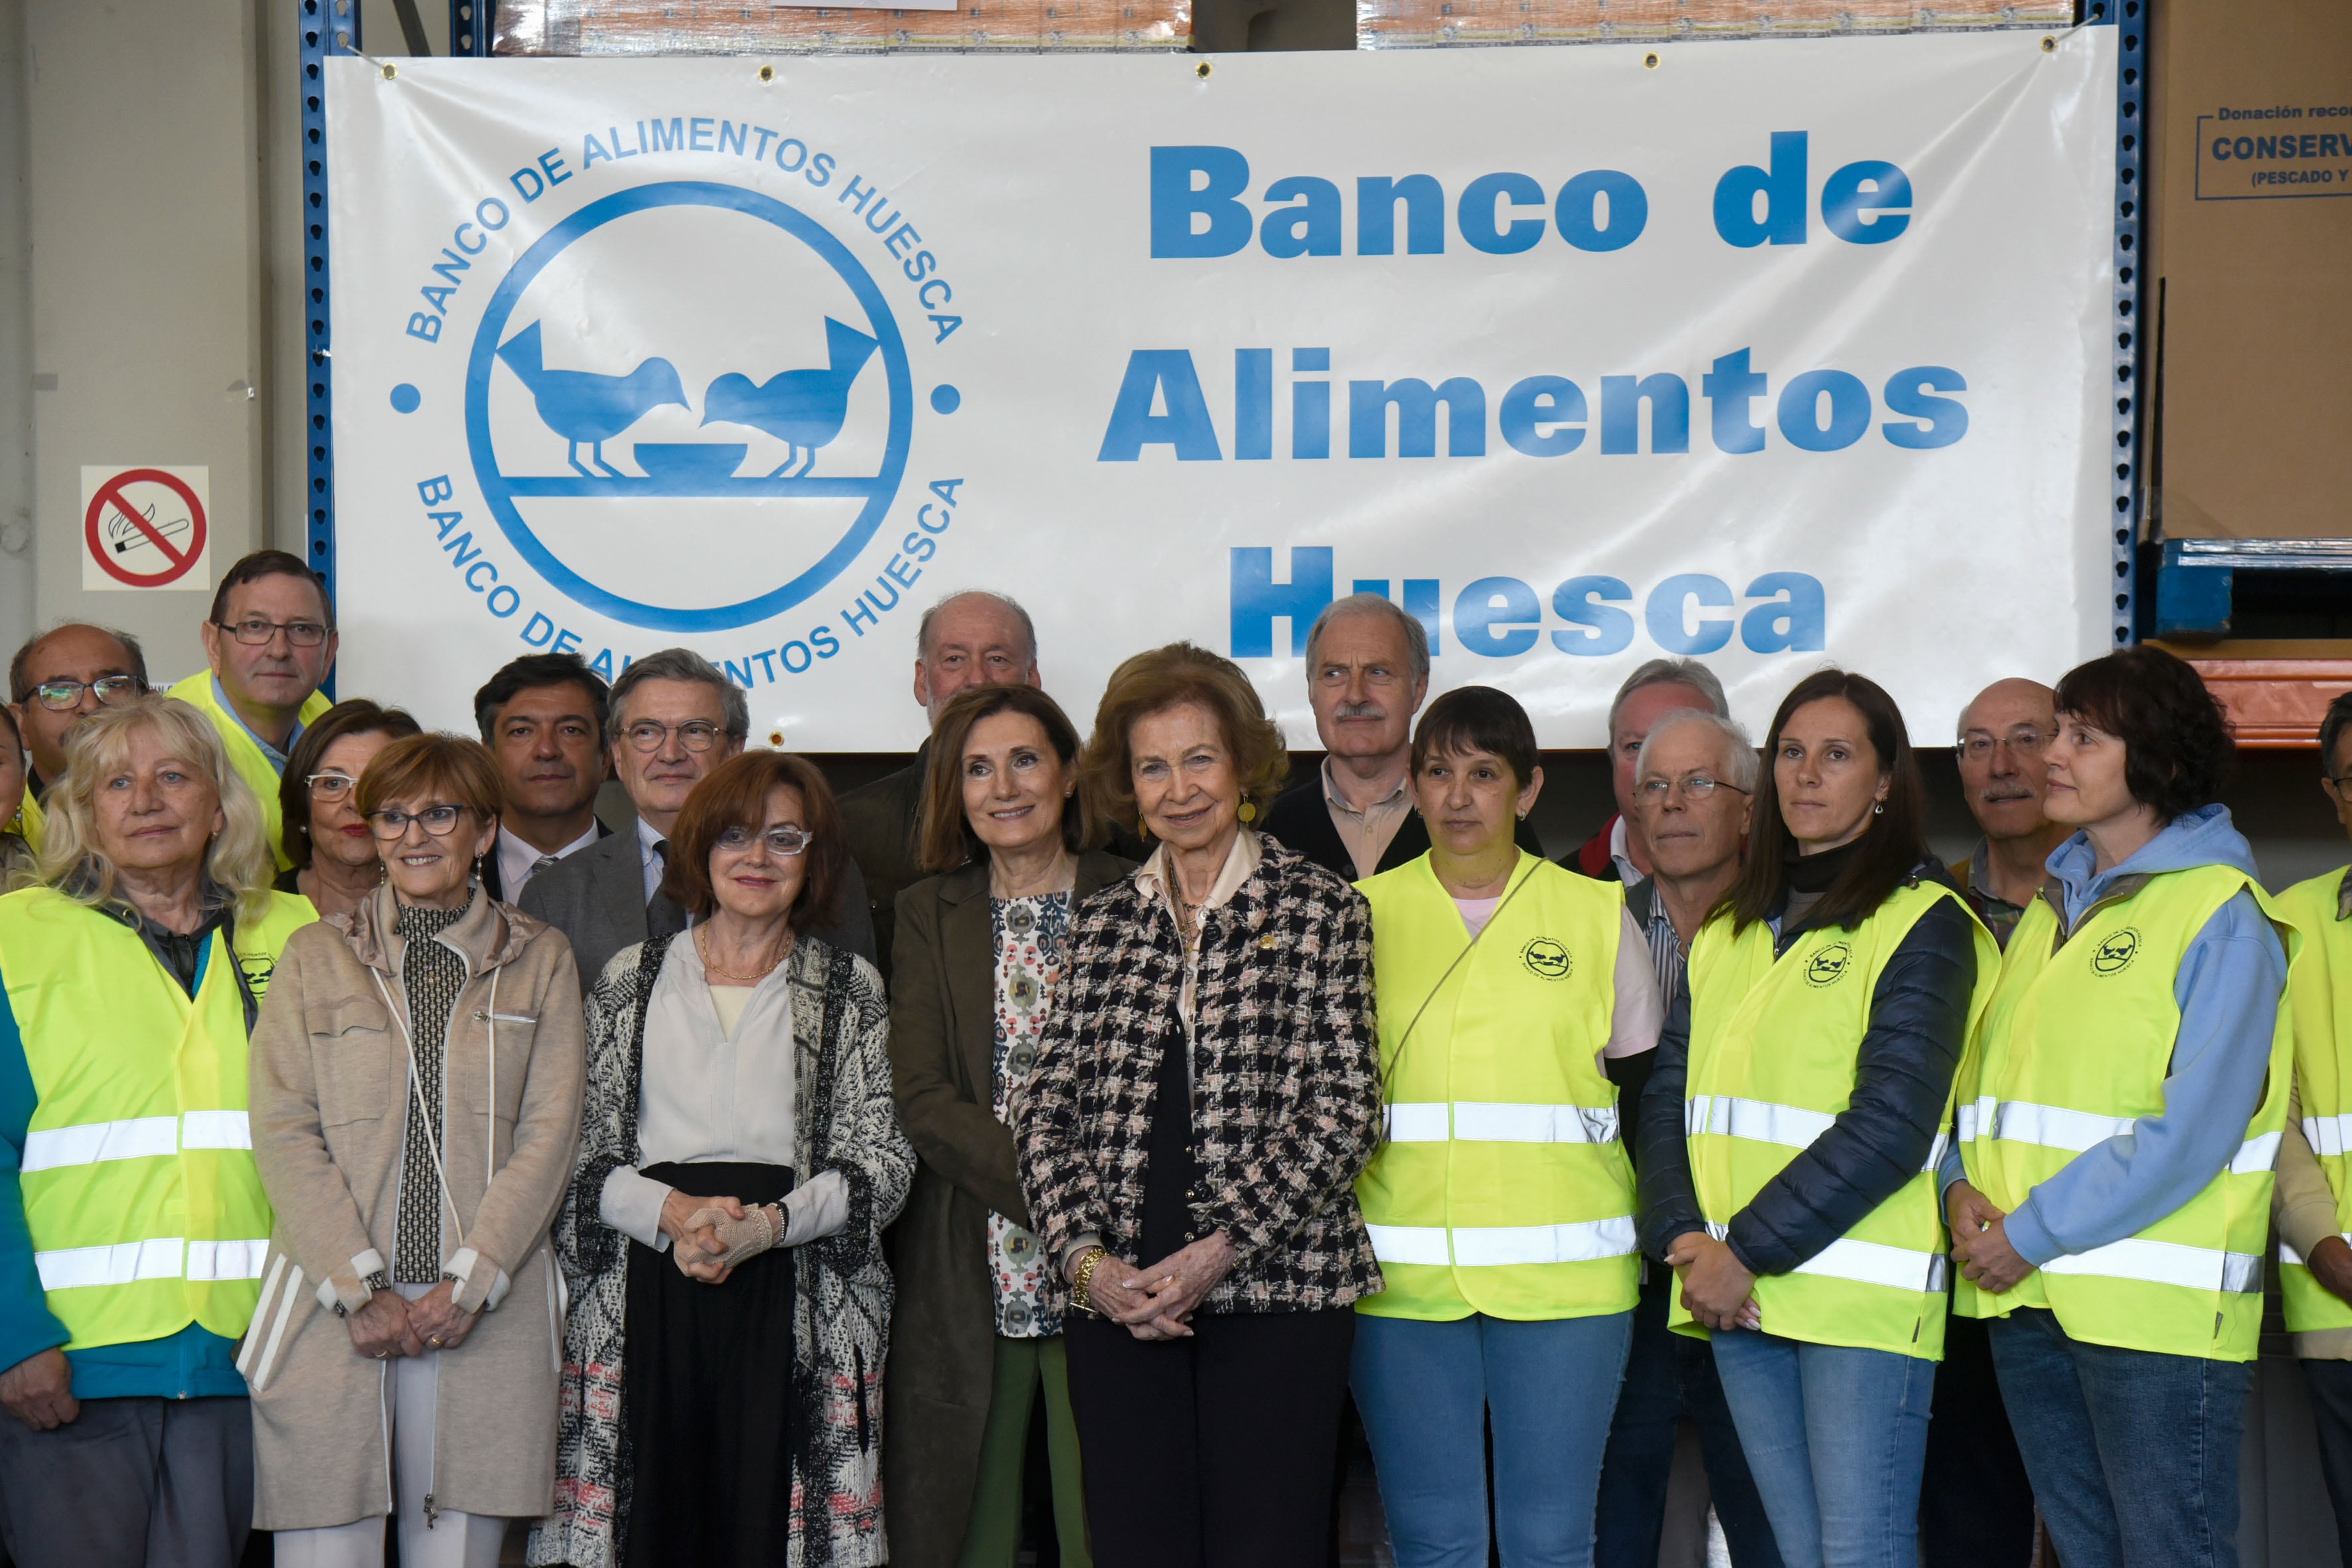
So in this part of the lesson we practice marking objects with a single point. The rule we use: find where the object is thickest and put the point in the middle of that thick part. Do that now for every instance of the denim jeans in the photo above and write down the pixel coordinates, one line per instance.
(1835, 1437)
(1669, 1376)
(2134, 1454)
(1427, 1392)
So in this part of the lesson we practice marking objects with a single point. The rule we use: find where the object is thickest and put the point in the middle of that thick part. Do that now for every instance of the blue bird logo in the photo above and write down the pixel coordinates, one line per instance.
(585, 408)
(805, 409)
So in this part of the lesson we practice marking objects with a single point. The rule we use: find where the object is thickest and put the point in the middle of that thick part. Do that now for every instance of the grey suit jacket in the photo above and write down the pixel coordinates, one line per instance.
(597, 898)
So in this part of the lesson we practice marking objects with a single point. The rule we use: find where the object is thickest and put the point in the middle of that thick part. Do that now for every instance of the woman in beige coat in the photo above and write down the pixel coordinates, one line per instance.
(415, 1081)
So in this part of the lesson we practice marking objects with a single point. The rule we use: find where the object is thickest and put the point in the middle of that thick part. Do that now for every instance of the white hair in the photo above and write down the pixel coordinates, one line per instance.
(1683, 672)
(1743, 765)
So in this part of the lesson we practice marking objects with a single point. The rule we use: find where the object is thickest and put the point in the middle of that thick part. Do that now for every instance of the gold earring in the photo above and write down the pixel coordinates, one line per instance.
(1248, 812)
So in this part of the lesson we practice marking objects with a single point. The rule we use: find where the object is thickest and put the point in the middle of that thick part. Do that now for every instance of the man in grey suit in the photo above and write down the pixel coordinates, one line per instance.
(675, 718)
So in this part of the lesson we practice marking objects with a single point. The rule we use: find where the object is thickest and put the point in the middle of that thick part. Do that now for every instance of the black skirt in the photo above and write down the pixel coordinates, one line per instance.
(707, 1396)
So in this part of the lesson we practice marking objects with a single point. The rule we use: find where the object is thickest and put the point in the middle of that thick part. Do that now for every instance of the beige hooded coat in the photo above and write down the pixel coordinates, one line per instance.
(329, 1103)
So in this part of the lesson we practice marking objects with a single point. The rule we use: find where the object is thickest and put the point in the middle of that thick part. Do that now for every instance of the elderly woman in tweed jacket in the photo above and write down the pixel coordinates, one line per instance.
(1206, 1093)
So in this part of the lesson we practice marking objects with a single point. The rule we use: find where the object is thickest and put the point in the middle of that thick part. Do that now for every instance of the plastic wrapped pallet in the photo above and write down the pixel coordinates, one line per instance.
(1427, 23)
(973, 26)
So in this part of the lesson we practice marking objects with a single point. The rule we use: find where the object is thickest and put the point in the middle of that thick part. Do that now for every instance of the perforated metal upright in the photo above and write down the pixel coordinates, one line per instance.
(469, 27)
(2128, 322)
(327, 27)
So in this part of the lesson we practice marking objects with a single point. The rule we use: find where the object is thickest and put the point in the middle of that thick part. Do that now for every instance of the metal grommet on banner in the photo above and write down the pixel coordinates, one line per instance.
(1203, 69)
(767, 73)
(390, 70)
(2049, 46)
(1650, 61)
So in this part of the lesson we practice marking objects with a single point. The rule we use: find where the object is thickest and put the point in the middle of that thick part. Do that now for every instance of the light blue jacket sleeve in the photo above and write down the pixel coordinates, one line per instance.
(27, 1327)
(2228, 990)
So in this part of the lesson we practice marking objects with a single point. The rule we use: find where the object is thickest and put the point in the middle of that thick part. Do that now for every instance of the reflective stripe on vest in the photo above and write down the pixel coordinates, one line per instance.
(1491, 1121)
(140, 1138)
(1502, 1186)
(2074, 1052)
(2319, 1007)
(141, 1201)
(1502, 1246)
(2053, 1127)
(1773, 1053)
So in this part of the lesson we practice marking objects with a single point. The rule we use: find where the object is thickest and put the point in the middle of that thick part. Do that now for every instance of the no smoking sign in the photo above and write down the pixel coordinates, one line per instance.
(145, 526)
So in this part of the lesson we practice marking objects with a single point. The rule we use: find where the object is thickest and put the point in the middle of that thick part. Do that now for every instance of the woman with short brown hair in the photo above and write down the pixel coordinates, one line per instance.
(728, 1410)
(1207, 1091)
(330, 855)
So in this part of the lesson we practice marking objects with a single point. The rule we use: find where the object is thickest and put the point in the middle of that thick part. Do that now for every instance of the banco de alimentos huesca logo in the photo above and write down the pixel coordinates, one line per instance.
(688, 406)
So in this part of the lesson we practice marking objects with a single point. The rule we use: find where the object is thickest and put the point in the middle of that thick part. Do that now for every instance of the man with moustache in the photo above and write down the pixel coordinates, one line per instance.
(2002, 735)
(1692, 776)
(1976, 1505)
(542, 717)
(59, 679)
(1367, 673)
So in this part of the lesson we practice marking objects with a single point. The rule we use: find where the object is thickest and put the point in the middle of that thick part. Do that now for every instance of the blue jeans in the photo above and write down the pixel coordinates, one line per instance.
(1427, 1390)
(1836, 1439)
(2134, 1454)
(1669, 1376)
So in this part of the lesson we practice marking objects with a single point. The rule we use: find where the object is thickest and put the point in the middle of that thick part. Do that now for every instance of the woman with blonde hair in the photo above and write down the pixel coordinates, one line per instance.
(132, 1217)
(1207, 1091)
(416, 1101)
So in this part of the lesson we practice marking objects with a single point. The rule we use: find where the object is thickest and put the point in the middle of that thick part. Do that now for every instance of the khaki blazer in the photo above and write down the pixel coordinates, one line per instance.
(330, 1112)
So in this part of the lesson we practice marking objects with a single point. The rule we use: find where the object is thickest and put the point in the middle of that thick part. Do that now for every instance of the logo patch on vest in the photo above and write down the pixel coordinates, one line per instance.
(1547, 958)
(257, 968)
(2114, 953)
(1827, 967)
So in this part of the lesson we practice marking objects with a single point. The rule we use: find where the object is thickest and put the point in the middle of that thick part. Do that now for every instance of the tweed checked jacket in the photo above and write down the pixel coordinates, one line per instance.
(1286, 1081)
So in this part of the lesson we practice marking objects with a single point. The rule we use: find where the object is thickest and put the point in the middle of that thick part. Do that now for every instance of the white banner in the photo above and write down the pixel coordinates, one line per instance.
(1773, 353)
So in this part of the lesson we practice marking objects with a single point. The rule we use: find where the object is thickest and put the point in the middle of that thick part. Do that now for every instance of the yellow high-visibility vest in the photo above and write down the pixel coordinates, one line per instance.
(1502, 1186)
(29, 818)
(2076, 1047)
(145, 1209)
(1773, 1045)
(244, 755)
(2319, 1004)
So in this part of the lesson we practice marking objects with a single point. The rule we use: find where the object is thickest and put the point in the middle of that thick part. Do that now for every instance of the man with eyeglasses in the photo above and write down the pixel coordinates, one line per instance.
(673, 718)
(2002, 735)
(543, 718)
(58, 679)
(269, 642)
(1619, 853)
(1692, 775)
(1976, 1503)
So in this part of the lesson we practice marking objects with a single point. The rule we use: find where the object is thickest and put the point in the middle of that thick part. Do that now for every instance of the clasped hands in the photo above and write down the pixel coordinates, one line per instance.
(1981, 1240)
(392, 1325)
(1717, 1289)
(1158, 1303)
(710, 1237)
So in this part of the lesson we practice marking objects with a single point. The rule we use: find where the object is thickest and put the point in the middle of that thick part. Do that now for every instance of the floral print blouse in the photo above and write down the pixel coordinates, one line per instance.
(1031, 935)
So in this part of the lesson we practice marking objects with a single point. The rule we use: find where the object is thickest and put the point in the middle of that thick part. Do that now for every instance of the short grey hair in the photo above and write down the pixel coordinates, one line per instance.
(1028, 627)
(1744, 765)
(1687, 672)
(1416, 635)
(682, 664)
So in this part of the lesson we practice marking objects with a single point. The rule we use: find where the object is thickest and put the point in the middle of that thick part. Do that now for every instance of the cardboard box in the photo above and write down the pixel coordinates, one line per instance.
(2251, 260)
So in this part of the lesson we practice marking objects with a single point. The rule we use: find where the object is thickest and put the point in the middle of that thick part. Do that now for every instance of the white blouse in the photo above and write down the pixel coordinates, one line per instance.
(712, 1093)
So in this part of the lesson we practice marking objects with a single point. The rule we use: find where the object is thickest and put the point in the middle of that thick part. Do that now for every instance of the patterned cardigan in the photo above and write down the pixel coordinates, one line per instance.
(1286, 1083)
(845, 1122)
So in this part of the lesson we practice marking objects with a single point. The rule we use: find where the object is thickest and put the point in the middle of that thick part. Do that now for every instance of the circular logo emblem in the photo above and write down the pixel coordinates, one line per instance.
(257, 968)
(717, 453)
(2115, 951)
(1546, 957)
(1827, 967)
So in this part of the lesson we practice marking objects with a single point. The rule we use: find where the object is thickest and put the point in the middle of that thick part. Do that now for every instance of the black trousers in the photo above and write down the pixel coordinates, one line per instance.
(2330, 1382)
(1215, 1451)
(708, 1394)
(1976, 1503)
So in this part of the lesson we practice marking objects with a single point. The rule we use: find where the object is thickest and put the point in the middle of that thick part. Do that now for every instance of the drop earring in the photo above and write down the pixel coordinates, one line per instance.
(1879, 809)
(1248, 812)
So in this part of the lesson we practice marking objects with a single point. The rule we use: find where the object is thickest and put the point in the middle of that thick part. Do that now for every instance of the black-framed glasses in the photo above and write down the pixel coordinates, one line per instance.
(56, 696)
(440, 821)
(255, 631)
(1697, 786)
(330, 786)
(781, 840)
(695, 735)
